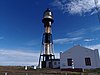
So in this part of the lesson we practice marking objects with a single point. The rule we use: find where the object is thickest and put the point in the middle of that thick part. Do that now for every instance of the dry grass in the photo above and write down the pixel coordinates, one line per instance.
(19, 70)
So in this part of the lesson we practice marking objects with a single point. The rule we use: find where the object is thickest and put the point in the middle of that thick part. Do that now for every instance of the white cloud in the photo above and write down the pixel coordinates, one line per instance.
(84, 31)
(77, 33)
(80, 6)
(77, 6)
(89, 40)
(93, 29)
(57, 55)
(97, 46)
(65, 40)
(14, 57)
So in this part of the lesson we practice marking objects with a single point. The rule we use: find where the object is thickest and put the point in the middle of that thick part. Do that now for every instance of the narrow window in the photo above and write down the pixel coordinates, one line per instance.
(87, 61)
(69, 61)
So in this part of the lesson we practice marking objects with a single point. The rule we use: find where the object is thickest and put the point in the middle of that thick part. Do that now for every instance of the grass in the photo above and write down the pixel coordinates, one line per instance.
(19, 70)
(92, 70)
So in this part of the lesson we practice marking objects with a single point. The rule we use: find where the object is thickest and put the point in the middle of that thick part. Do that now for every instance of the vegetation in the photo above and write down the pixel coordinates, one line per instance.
(19, 70)
(92, 70)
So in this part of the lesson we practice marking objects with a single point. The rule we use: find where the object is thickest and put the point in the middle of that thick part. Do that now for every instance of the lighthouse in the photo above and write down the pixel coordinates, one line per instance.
(47, 41)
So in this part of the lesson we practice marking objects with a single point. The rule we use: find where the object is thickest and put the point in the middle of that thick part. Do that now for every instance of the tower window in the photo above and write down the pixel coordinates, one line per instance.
(87, 61)
(69, 61)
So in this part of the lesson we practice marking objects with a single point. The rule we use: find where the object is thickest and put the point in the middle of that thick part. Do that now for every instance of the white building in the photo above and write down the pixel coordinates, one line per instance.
(80, 57)
(54, 63)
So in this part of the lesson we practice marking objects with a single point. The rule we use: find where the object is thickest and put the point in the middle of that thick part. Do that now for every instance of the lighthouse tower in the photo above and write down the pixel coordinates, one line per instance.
(47, 41)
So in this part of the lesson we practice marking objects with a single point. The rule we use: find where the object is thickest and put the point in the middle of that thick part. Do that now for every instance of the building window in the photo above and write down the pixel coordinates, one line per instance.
(55, 63)
(87, 61)
(69, 61)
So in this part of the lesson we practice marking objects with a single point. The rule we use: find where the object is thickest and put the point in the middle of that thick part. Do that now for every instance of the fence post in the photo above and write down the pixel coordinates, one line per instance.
(82, 74)
(26, 74)
(6, 73)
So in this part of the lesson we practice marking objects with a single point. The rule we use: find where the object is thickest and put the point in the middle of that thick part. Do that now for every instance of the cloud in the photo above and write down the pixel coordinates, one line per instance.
(65, 40)
(89, 40)
(77, 6)
(57, 55)
(77, 33)
(97, 46)
(93, 29)
(84, 31)
(14, 57)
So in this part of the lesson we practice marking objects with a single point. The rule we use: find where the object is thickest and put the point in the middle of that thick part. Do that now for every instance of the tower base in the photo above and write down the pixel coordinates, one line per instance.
(45, 59)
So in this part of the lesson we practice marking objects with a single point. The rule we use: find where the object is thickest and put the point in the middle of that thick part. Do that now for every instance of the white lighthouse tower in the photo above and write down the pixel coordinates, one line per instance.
(47, 41)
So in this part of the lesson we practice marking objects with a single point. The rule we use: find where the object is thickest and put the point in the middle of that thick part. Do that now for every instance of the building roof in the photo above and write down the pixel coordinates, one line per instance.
(78, 48)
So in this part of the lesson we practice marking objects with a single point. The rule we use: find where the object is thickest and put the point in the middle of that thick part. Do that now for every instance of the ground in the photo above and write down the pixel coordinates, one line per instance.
(19, 70)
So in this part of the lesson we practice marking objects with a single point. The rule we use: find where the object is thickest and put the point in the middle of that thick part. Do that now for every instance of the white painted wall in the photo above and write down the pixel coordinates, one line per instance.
(54, 66)
(78, 54)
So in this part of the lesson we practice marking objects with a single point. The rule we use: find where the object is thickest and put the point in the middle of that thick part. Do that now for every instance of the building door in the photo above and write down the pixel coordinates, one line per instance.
(43, 64)
(50, 65)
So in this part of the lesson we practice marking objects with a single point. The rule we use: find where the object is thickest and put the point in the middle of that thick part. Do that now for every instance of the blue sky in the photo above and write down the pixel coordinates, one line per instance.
(21, 28)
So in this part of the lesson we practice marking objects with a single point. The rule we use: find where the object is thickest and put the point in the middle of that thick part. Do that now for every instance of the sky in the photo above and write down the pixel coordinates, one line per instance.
(21, 28)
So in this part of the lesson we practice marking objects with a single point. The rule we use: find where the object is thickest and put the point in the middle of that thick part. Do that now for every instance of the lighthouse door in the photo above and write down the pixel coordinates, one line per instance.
(50, 65)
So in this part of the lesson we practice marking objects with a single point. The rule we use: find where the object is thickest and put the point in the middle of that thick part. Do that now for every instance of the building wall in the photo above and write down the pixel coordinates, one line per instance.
(55, 63)
(78, 54)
